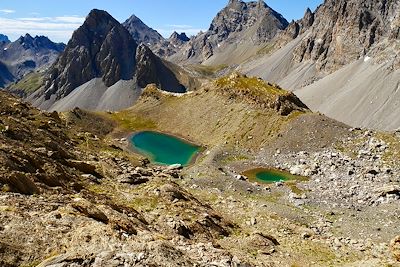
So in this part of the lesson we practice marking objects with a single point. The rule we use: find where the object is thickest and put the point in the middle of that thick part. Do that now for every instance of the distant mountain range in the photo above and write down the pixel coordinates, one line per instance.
(103, 68)
(341, 59)
(25, 55)
(238, 31)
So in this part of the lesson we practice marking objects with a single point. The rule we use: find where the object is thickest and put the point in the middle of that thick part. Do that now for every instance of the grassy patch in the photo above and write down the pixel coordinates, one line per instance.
(249, 85)
(294, 188)
(207, 70)
(239, 87)
(234, 158)
(392, 153)
(131, 122)
(30, 83)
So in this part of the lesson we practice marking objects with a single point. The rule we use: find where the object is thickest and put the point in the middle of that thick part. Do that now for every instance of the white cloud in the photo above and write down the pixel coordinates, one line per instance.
(56, 28)
(70, 19)
(180, 26)
(63, 19)
(7, 11)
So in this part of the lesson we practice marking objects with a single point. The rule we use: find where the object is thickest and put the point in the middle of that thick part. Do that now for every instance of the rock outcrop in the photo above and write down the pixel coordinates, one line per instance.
(151, 70)
(341, 32)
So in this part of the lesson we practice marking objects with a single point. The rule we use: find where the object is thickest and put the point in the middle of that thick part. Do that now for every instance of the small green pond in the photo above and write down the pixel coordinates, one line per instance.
(164, 149)
(271, 175)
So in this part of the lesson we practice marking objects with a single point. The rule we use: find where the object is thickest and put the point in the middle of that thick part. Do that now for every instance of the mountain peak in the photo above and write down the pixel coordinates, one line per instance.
(239, 16)
(232, 2)
(100, 48)
(142, 33)
(179, 37)
(96, 13)
(98, 19)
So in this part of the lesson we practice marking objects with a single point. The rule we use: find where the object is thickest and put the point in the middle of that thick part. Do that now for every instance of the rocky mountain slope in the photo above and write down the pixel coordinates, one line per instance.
(102, 68)
(239, 29)
(4, 38)
(359, 36)
(27, 54)
(53, 174)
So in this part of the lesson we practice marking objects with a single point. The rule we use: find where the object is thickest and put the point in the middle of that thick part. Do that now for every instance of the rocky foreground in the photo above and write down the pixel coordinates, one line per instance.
(74, 196)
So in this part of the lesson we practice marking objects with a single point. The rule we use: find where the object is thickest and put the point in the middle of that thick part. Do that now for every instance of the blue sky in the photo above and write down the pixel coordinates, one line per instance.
(58, 19)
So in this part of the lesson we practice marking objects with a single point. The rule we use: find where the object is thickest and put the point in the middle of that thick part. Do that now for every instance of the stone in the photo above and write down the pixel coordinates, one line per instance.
(174, 167)
(240, 177)
(82, 166)
(90, 210)
(395, 247)
(297, 170)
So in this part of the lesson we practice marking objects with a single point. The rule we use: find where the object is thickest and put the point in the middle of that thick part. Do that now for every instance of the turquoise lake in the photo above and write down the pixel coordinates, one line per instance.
(164, 149)
(271, 175)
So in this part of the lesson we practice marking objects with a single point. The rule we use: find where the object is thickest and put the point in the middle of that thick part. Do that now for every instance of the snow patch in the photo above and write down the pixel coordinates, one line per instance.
(367, 58)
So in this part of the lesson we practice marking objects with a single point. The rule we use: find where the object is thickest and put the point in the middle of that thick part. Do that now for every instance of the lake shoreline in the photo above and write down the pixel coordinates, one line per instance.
(174, 137)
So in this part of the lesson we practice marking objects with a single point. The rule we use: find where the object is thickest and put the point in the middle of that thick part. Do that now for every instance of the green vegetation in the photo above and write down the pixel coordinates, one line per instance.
(251, 88)
(207, 70)
(234, 158)
(271, 175)
(392, 154)
(131, 122)
(30, 83)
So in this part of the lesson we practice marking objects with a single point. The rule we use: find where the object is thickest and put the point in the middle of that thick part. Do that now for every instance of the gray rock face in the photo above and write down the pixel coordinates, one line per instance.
(151, 69)
(239, 16)
(142, 33)
(178, 39)
(25, 55)
(343, 31)
(101, 47)
(238, 22)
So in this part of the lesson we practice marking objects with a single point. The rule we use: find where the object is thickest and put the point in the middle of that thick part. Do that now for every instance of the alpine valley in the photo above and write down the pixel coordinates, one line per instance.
(287, 136)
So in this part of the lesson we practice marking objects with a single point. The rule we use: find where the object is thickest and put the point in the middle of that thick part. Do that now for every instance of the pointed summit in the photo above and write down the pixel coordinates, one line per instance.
(142, 33)
(100, 48)
(308, 18)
